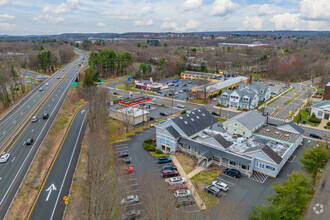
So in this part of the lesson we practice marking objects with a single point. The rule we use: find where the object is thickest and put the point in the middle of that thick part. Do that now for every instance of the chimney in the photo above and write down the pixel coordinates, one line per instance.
(250, 79)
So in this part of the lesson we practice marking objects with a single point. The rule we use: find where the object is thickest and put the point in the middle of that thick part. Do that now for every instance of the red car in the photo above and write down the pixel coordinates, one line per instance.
(169, 173)
(127, 169)
(177, 186)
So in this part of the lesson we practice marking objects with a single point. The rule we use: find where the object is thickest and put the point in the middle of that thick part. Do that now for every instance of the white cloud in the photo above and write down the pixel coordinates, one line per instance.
(265, 9)
(191, 24)
(289, 21)
(6, 26)
(252, 23)
(3, 2)
(73, 2)
(101, 24)
(62, 8)
(45, 19)
(315, 9)
(191, 4)
(223, 7)
(147, 9)
(106, 13)
(146, 23)
(169, 24)
(7, 17)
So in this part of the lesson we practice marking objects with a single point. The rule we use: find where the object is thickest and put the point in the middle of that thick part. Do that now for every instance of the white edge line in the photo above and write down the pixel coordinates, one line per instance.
(32, 159)
(59, 192)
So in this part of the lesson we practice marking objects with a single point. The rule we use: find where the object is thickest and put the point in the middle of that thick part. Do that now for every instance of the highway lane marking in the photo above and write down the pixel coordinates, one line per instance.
(13, 159)
(21, 113)
(4, 132)
(0, 178)
(14, 122)
(50, 189)
(24, 142)
(32, 130)
(53, 162)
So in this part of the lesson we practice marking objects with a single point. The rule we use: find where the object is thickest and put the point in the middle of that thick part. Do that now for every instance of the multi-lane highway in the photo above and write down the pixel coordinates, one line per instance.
(49, 203)
(17, 127)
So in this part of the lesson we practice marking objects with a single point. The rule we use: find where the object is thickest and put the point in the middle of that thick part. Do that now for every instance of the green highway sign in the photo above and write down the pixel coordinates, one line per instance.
(74, 84)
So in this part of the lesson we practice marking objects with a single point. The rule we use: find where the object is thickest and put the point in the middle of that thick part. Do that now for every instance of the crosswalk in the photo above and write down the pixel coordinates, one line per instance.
(259, 177)
(277, 119)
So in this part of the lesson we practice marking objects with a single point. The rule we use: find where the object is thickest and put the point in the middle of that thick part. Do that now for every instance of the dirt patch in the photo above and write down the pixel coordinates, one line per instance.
(187, 162)
(38, 170)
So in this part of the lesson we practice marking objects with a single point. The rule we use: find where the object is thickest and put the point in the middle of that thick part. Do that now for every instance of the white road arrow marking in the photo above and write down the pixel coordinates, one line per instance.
(83, 111)
(50, 189)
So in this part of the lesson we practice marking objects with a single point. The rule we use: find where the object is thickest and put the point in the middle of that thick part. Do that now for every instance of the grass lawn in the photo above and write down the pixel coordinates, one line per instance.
(208, 199)
(304, 117)
(206, 177)
(186, 162)
(157, 155)
(124, 86)
(221, 119)
(197, 101)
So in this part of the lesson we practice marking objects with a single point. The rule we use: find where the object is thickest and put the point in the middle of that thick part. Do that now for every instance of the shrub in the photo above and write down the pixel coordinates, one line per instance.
(328, 123)
(158, 151)
(313, 115)
(148, 141)
(307, 110)
(315, 120)
(183, 112)
(149, 147)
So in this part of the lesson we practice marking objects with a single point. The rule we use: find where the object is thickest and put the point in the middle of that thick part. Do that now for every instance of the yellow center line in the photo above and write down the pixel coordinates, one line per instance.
(53, 162)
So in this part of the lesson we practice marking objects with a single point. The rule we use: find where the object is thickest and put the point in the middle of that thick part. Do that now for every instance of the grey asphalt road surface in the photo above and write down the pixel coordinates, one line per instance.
(13, 172)
(49, 203)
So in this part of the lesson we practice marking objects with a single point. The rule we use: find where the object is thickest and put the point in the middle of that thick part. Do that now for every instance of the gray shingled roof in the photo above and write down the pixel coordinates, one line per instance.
(173, 132)
(266, 150)
(195, 121)
(321, 103)
(242, 159)
(249, 119)
(294, 126)
(221, 140)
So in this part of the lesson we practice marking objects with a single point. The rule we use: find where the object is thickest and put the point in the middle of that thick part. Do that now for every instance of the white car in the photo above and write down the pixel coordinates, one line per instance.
(220, 185)
(46, 84)
(34, 119)
(177, 180)
(4, 158)
(180, 106)
(130, 199)
(215, 99)
(181, 193)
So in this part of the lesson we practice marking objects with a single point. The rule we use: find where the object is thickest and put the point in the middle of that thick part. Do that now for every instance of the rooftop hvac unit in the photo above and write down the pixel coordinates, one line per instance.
(286, 135)
(267, 130)
(276, 132)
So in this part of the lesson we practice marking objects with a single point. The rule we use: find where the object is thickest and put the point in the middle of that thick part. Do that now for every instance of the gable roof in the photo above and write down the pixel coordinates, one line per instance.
(266, 150)
(248, 119)
(195, 121)
(173, 132)
(321, 104)
(294, 126)
(221, 140)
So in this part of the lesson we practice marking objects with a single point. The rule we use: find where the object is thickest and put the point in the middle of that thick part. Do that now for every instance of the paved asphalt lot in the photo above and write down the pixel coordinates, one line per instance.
(155, 112)
(248, 193)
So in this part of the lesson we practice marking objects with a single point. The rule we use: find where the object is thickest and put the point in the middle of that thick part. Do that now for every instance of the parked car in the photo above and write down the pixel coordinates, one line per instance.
(133, 214)
(58, 76)
(169, 173)
(221, 185)
(314, 135)
(189, 82)
(170, 84)
(176, 85)
(154, 125)
(178, 186)
(45, 116)
(181, 91)
(180, 106)
(164, 160)
(123, 154)
(213, 190)
(232, 172)
(34, 119)
(116, 93)
(128, 169)
(46, 84)
(169, 167)
(41, 89)
(127, 160)
(216, 113)
(184, 201)
(130, 200)
(181, 193)
(164, 113)
(175, 80)
(185, 84)
(273, 93)
(29, 141)
(4, 158)
(176, 93)
(159, 92)
(215, 99)
(177, 180)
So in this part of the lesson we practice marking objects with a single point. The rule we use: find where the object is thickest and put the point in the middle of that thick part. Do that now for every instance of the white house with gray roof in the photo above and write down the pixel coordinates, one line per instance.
(321, 109)
(259, 152)
(246, 96)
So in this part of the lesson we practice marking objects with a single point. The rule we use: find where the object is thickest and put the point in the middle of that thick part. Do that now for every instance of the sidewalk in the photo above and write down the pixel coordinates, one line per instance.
(191, 186)
(195, 171)
(319, 208)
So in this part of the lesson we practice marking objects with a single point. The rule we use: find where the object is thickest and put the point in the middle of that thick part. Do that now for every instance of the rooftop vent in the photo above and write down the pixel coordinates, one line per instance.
(276, 132)
(197, 117)
(267, 130)
(286, 135)
(203, 114)
(180, 117)
(193, 113)
(192, 119)
(185, 122)
(188, 115)
(199, 110)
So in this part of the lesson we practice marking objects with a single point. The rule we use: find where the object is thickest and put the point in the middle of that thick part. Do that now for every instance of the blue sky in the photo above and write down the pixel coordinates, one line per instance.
(21, 17)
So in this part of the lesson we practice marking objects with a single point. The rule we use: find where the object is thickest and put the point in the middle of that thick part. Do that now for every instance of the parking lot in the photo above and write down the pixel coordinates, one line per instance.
(179, 90)
(248, 193)
(156, 109)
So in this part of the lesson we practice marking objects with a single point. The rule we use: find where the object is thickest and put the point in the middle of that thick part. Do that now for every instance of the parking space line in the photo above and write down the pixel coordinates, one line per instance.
(134, 179)
(225, 181)
(119, 145)
(136, 190)
(135, 184)
(228, 176)
(120, 151)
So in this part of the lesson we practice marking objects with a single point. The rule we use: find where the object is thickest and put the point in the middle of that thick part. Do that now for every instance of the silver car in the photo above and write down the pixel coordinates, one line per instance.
(130, 200)
(4, 158)
(181, 193)
(34, 119)
(180, 106)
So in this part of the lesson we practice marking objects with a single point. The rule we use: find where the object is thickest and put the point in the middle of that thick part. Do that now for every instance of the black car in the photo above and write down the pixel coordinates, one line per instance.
(116, 93)
(169, 167)
(216, 113)
(314, 135)
(133, 214)
(45, 116)
(123, 154)
(184, 201)
(232, 172)
(127, 160)
(29, 141)
(163, 113)
(213, 190)
(184, 84)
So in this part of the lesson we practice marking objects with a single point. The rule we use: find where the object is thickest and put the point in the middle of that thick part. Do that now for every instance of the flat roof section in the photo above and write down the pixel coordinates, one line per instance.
(135, 101)
(278, 134)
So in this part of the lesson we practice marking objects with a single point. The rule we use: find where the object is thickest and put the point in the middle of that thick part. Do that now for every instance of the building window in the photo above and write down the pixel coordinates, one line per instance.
(232, 162)
(226, 128)
(243, 132)
(244, 167)
(319, 114)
